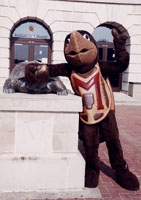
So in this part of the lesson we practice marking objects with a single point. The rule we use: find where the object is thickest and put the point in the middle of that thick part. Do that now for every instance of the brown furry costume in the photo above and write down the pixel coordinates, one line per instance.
(89, 79)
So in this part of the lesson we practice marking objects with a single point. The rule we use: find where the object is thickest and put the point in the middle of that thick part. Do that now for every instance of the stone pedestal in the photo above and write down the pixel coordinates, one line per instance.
(39, 143)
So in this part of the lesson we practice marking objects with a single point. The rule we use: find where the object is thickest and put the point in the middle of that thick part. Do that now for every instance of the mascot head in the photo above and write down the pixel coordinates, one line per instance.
(81, 51)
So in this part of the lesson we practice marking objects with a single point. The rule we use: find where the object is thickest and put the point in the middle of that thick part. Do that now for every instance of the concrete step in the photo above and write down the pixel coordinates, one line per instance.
(123, 99)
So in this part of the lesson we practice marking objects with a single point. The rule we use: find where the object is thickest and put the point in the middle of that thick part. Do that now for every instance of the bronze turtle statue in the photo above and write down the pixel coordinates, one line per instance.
(17, 83)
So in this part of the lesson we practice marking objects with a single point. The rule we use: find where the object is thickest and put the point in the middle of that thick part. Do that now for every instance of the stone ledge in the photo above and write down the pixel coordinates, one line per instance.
(92, 193)
(124, 99)
(40, 102)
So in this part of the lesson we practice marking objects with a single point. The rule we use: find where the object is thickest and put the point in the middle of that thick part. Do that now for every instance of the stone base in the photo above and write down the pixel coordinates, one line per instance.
(32, 173)
(91, 193)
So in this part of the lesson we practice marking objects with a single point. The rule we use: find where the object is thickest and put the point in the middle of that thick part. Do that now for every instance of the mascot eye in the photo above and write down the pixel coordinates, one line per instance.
(86, 36)
(67, 41)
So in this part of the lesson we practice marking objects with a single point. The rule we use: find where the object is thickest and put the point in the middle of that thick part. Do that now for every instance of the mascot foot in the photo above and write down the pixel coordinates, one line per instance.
(127, 179)
(91, 178)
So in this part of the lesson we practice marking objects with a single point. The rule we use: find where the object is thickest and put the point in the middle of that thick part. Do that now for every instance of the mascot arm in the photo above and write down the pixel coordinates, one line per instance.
(121, 54)
(62, 69)
(38, 72)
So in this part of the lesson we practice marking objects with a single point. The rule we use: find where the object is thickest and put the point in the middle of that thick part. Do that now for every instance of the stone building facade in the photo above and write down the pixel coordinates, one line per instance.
(60, 17)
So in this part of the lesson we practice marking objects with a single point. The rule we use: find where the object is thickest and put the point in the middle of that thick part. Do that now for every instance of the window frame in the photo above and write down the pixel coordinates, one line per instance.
(30, 41)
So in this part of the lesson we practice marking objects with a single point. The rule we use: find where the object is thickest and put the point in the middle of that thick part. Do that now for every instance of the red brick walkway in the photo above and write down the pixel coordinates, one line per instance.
(129, 123)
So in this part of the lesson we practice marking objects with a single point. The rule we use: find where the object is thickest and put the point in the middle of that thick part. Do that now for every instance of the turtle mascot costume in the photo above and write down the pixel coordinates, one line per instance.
(89, 79)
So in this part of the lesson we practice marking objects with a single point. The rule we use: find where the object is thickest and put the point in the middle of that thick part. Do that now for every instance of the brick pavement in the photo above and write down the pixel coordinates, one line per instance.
(129, 123)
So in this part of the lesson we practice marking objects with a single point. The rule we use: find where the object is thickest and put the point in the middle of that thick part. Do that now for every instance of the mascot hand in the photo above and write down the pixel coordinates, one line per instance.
(42, 73)
(35, 73)
(119, 39)
(121, 53)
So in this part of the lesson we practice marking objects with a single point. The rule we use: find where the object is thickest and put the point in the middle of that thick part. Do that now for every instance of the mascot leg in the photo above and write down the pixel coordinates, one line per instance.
(89, 134)
(109, 129)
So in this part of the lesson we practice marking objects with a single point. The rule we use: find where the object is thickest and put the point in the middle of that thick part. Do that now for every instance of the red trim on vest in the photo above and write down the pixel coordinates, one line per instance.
(87, 85)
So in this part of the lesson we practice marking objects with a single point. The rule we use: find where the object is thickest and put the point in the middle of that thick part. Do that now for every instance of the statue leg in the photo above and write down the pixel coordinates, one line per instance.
(90, 137)
(9, 86)
(58, 87)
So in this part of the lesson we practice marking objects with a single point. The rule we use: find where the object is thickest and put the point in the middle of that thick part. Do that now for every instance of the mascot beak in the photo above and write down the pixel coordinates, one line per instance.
(78, 44)
(79, 50)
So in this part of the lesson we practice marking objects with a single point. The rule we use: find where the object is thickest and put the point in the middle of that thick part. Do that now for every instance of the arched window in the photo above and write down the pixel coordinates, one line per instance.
(30, 40)
(104, 38)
